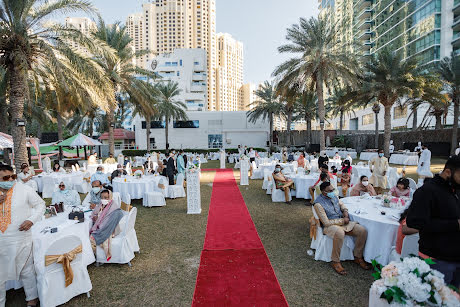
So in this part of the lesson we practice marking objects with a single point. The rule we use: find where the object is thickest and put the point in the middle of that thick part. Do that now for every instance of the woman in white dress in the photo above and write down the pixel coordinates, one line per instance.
(25, 176)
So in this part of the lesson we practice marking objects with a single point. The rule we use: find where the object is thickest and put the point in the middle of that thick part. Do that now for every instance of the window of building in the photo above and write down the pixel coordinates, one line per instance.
(215, 141)
(399, 112)
(368, 119)
(194, 124)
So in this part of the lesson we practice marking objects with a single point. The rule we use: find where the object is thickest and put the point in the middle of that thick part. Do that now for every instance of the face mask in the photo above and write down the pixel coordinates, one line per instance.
(99, 172)
(63, 191)
(105, 202)
(365, 183)
(6, 185)
(331, 194)
(380, 155)
(278, 169)
(96, 189)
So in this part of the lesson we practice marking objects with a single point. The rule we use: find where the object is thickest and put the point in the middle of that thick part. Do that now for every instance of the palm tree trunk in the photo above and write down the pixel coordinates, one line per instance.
(60, 124)
(387, 133)
(111, 122)
(453, 145)
(91, 128)
(17, 96)
(4, 122)
(271, 134)
(438, 122)
(414, 119)
(309, 140)
(321, 111)
(376, 139)
(166, 132)
(341, 121)
(147, 127)
(288, 126)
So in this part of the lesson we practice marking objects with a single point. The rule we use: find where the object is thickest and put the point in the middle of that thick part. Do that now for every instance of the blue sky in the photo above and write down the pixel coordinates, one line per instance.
(259, 24)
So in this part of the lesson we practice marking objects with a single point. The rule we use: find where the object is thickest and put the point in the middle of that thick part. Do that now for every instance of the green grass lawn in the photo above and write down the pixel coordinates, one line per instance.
(164, 273)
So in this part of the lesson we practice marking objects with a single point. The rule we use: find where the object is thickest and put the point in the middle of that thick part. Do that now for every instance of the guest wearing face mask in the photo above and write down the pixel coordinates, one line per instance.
(118, 172)
(21, 208)
(93, 198)
(68, 197)
(171, 168)
(282, 182)
(363, 187)
(101, 177)
(435, 212)
(379, 168)
(336, 224)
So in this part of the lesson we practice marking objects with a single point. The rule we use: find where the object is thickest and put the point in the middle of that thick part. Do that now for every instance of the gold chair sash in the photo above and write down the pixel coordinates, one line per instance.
(65, 260)
(161, 186)
(313, 227)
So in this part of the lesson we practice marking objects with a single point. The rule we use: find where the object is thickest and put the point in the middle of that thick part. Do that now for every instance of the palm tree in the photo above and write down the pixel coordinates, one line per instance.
(30, 42)
(386, 80)
(376, 109)
(149, 111)
(340, 104)
(123, 74)
(266, 107)
(305, 108)
(288, 96)
(320, 61)
(450, 74)
(168, 107)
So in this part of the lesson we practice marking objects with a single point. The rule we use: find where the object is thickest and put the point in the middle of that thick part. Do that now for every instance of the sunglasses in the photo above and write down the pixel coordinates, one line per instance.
(62, 186)
(6, 178)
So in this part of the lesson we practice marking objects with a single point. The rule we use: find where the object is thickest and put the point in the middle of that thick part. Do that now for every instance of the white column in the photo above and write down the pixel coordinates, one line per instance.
(244, 172)
(222, 159)
(193, 192)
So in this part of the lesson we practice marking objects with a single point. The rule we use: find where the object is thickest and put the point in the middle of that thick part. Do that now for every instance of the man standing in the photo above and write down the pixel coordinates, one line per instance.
(435, 212)
(181, 163)
(21, 208)
(336, 224)
(392, 147)
(92, 159)
(101, 177)
(118, 172)
(171, 168)
(110, 160)
(379, 168)
(424, 164)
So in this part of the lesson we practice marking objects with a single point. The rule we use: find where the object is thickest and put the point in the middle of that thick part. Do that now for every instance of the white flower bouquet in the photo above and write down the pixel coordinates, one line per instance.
(244, 157)
(193, 166)
(412, 282)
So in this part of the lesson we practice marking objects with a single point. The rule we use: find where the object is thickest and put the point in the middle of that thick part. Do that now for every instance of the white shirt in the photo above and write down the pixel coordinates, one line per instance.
(68, 197)
(252, 154)
(23, 176)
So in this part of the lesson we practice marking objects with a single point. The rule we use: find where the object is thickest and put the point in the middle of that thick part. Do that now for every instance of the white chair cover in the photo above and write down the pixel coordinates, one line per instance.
(256, 172)
(124, 245)
(84, 186)
(323, 245)
(48, 187)
(73, 169)
(270, 184)
(278, 195)
(410, 245)
(51, 283)
(177, 190)
(165, 190)
(412, 185)
(267, 174)
(128, 169)
(116, 199)
(153, 199)
(77, 166)
(126, 198)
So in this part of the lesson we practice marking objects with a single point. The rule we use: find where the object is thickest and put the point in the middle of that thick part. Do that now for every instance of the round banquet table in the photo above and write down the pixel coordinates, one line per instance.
(69, 179)
(137, 187)
(342, 153)
(271, 167)
(403, 159)
(381, 229)
(108, 168)
(303, 183)
(368, 155)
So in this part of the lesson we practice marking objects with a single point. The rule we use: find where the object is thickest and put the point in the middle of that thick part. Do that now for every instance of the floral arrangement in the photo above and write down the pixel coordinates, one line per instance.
(192, 166)
(394, 202)
(138, 175)
(244, 157)
(412, 282)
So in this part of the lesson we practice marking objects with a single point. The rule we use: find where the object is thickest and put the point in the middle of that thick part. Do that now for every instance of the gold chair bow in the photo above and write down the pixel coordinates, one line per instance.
(65, 260)
(161, 186)
(313, 227)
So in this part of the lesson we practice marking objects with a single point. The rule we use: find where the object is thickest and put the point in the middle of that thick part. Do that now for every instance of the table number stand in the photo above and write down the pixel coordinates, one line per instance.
(244, 170)
(193, 192)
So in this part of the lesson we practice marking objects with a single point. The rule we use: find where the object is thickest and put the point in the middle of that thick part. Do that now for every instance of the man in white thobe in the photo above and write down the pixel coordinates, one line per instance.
(379, 169)
(21, 207)
(92, 159)
(424, 164)
(392, 147)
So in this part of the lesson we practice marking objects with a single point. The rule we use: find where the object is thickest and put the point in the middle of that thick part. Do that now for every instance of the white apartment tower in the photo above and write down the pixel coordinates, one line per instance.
(229, 74)
(84, 24)
(166, 25)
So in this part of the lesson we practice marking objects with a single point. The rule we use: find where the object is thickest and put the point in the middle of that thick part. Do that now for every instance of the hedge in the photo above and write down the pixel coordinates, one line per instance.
(139, 153)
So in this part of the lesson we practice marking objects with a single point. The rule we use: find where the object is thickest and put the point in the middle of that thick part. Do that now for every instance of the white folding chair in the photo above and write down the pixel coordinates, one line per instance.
(48, 187)
(278, 194)
(410, 245)
(84, 186)
(177, 190)
(323, 245)
(123, 245)
(73, 169)
(153, 199)
(51, 283)
(77, 166)
(412, 184)
(267, 174)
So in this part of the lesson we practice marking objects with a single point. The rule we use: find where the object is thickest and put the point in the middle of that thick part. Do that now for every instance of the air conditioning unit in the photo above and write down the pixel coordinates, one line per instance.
(229, 141)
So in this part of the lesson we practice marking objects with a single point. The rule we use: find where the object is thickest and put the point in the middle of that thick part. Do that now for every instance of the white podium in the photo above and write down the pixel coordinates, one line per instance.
(244, 172)
(222, 159)
(193, 192)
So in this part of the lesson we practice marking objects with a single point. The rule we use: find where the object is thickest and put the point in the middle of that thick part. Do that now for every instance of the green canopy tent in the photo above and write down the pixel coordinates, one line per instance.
(78, 140)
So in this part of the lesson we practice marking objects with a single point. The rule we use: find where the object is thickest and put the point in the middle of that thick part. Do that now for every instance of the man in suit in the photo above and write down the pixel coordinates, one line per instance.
(171, 168)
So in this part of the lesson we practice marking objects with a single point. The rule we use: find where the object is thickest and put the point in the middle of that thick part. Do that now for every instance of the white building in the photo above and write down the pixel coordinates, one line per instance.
(188, 68)
(211, 130)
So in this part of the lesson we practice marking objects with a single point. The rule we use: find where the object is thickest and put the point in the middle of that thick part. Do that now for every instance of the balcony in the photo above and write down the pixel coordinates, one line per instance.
(365, 24)
(456, 24)
(197, 88)
(364, 34)
(368, 45)
(456, 8)
(365, 13)
(359, 4)
(456, 39)
(198, 77)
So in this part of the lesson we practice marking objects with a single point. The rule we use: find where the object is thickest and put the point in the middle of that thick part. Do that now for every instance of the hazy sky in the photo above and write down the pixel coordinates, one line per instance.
(259, 24)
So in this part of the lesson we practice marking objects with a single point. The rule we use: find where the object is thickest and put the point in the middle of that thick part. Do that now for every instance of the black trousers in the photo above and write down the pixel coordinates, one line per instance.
(171, 179)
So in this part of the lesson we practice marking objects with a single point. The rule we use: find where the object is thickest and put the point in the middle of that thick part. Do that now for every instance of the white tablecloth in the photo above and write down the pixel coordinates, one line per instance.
(367, 156)
(68, 178)
(271, 167)
(381, 229)
(343, 154)
(108, 168)
(362, 170)
(136, 187)
(336, 163)
(139, 161)
(403, 159)
(303, 183)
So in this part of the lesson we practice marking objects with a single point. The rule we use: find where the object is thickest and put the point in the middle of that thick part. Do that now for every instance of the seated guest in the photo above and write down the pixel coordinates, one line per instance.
(323, 168)
(301, 161)
(57, 168)
(401, 188)
(336, 224)
(291, 157)
(363, 187)
(93, 198)
(403, 231)
(349, 158)
(126, 161)
(282, 182)
(110, 160)
(149, 166)
(68, 197)
(334, 170)
(92, 159)
(163, 171)
(118, 172)
(346, 164)
(101, 177)
(323, 158)
(337, 156)
(26, 177)
(323, 177)
(106, 217)
(345, 181)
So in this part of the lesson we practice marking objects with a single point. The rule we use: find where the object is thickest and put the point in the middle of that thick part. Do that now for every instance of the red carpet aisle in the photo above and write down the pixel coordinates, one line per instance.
(234, 268)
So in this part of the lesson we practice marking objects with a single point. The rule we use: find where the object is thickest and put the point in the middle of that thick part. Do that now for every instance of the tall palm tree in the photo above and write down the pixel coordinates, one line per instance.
(30, 41)
(288, 96)
(4, 118)
(376, 109)
(450, 73)
(148, 111)
(121, 70)
(265, 107)
(388, 78)
(169, 108)
(340, 104)
(320, 61)
(305, 108)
